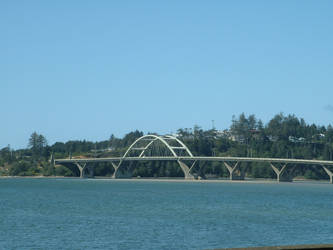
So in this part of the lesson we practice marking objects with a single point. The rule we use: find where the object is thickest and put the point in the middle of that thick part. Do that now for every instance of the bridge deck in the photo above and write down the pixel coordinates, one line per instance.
(197, 158)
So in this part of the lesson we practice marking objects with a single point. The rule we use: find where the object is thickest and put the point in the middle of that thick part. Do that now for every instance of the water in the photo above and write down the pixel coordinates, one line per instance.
(111, 214)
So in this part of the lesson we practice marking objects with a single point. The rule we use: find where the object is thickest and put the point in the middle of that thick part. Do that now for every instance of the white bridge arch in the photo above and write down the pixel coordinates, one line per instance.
(143, 144)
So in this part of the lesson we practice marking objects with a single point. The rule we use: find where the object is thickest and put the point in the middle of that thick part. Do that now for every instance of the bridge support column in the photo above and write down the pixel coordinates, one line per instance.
(330, 174)
(232, 171)
(120, 174)
(199, 174)
(186, 170)
(280, 174)
(115, 173)
(81, 168)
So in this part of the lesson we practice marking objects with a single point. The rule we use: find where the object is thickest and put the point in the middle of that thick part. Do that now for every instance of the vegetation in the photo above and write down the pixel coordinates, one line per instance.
(282, 137)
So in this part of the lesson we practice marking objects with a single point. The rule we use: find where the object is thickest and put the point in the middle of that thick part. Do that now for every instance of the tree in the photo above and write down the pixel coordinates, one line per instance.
(243, 126)
(131, 137)
(37, 143)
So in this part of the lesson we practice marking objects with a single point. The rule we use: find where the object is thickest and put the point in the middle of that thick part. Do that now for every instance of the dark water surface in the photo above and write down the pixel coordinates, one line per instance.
(111, 214)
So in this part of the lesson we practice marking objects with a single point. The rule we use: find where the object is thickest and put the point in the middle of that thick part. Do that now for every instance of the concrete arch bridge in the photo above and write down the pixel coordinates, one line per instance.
(169, 148)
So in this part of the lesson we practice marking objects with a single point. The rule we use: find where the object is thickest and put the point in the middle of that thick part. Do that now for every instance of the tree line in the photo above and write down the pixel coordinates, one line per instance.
(284, 136)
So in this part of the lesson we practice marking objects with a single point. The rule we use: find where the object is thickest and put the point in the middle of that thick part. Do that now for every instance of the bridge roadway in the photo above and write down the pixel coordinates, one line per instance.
(197, 158)
(83, 162)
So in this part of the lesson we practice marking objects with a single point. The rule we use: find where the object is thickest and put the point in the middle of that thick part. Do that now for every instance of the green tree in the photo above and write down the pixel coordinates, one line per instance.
(37, 143)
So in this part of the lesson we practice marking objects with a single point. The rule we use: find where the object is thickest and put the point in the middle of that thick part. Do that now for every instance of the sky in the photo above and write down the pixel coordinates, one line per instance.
(75, 70)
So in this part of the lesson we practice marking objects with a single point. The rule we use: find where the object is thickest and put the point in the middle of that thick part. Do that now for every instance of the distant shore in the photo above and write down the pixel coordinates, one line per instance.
(171, 179)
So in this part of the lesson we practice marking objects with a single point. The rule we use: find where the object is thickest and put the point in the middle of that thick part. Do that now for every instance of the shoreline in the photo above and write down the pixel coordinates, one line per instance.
(174, 179)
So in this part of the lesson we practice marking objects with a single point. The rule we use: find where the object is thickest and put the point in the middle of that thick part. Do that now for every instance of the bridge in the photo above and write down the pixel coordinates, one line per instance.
(169, 148)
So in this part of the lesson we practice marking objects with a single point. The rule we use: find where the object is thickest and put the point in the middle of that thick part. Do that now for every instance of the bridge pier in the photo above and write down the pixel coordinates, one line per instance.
(118, 174)
(186, 170)
(281, 174)
(330, 174)
(116, 167)
(82, 169)
(232, 171)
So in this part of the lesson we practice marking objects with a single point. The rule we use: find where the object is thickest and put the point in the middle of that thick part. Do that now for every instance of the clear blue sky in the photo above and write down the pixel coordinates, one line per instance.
(74, 70)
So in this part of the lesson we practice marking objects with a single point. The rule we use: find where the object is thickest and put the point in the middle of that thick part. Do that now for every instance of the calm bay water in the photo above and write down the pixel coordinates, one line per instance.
(112, 214)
